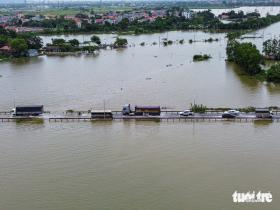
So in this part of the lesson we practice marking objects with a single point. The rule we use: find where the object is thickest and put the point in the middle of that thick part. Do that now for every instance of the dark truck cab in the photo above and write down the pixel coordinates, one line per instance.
(28, 110)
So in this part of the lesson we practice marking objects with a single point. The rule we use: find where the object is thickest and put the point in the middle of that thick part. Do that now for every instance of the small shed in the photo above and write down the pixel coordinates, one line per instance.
(6, 50)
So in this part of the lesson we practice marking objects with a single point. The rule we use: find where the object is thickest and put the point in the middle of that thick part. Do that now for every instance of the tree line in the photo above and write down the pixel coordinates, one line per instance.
(73, 45)
(200, 20)
(19, 43)
(250, 59)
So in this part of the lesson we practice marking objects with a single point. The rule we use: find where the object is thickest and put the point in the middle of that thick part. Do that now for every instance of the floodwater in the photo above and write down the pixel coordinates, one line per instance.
(272, 10)
(152, 74)
(137, 165)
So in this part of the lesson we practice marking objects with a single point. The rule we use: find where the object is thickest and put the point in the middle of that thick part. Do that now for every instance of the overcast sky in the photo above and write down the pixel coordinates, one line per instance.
(22, 1)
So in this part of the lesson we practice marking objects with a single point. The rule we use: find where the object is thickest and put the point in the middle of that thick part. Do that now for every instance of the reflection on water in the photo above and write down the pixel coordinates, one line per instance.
(26, 61)
(262, 123)
(31, 121)
(273, 88)
(247, 81)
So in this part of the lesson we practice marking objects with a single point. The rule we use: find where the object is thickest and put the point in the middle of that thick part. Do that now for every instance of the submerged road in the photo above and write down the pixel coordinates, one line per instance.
(117, 115)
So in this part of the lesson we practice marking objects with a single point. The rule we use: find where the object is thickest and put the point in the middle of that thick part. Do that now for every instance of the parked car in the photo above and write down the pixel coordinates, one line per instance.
(186, 113)
(230, 114)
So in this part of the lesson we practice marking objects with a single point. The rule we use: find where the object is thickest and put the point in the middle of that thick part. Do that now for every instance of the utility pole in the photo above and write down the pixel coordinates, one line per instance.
(104, 108)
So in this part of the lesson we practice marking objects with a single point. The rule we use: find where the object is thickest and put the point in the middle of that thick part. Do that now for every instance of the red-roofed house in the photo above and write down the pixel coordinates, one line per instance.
(6, 50)
(99, 21)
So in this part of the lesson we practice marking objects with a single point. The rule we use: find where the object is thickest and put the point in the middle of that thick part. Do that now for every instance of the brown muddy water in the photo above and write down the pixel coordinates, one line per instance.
(137, 165)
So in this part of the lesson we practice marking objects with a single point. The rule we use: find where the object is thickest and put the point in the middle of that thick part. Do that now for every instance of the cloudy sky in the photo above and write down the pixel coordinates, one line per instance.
(22, 1)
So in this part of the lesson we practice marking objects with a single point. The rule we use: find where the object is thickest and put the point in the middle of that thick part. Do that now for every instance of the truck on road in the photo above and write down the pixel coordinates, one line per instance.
(34, 110)
(141, 110)
(101, 114)
(126, 109)
(263, 113)
(147, 110)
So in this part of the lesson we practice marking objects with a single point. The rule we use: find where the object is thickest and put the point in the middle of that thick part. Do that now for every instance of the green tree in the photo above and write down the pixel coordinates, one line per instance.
(120, 42)
(33, 41)
(19, 45)
(231, 49)
(58, 41)
(95, 39)
(273, 74)
(3, 40)
(246, 55)
(123, 24)
(249, 57)
(74, 42)
(271, 48)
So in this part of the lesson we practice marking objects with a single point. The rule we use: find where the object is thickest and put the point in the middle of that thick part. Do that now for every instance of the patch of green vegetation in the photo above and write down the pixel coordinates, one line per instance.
(30, 121)
(120, 42)
(263, 122)
(262, 76)
(96, 39)
(167, 42)
(4, 58)
(271, 49)
(246, 55)
(201, 57)
(142, 44)
(273, 74)
(211, 40)
(125, 32)
(235, 34)
(247, 109)
(198, 108)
